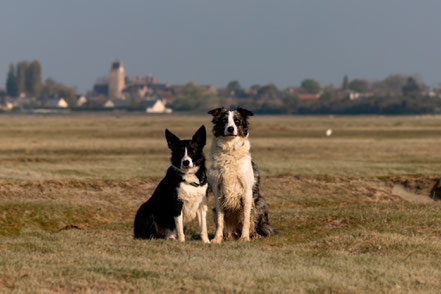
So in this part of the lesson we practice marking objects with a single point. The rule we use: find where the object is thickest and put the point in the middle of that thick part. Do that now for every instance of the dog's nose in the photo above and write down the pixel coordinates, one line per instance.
(185, 162)
(230, 129)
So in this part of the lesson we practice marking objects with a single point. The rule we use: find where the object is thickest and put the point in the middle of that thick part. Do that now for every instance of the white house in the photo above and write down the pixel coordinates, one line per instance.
(62, 103)
(57, 103)
(7, 106)
(155, 106)
(81, 101)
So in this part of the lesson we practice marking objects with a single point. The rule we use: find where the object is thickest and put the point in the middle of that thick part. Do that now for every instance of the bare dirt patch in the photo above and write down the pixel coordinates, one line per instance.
(88, 191)
(417, 189)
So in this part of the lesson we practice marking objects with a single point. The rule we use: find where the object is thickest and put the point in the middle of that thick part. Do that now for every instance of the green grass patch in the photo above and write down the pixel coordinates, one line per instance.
(45, 215)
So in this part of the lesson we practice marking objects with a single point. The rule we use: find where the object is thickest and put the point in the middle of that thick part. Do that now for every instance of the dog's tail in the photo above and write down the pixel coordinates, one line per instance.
(265, 229)
(263, 226)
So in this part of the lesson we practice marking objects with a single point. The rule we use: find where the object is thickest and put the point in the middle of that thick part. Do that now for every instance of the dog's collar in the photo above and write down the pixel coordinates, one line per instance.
(191, 170)
(177, 169)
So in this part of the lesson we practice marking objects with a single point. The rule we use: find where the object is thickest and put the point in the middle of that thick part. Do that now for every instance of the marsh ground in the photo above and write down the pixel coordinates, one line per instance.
(69, 188)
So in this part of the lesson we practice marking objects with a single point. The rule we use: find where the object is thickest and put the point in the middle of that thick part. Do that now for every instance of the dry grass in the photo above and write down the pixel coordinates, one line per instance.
(70, 186)
(111, 147)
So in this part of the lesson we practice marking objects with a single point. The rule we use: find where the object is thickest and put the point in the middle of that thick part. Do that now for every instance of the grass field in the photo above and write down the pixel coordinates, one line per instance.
(70, 186)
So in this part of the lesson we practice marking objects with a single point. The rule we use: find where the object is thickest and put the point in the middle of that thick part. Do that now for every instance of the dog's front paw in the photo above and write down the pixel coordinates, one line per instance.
(206, 241)
(216, 240)
(181, 239)
(244, 238)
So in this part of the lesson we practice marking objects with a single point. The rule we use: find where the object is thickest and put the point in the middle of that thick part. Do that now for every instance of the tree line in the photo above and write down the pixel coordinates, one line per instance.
(24, 77)
(396, 94)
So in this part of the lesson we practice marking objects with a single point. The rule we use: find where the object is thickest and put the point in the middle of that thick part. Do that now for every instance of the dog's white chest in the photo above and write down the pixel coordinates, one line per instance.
(231, 173)
(192, 197)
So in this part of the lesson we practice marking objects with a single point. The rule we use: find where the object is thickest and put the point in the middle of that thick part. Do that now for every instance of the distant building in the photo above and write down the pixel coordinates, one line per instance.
(57, 103)
(81, 101)
(352, 95)
(116, 80)
(7, 105)
(151, 80)
(96, 102)
(137, 91)
(302, 96)
(165, 95)
(119, 86)
(116, 103)
(62, 103)
(155, 106)
(101, 87)
(250, 92)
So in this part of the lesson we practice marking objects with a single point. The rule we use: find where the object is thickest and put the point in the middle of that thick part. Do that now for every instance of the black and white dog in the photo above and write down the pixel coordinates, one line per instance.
(180, 196)
(234, 178)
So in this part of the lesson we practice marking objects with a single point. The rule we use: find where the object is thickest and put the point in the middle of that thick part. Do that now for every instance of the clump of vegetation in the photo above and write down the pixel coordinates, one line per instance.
(25, 79)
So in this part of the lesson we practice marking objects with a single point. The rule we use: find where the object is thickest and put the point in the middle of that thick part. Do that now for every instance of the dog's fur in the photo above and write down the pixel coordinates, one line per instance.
(180, 196)
(240, 209)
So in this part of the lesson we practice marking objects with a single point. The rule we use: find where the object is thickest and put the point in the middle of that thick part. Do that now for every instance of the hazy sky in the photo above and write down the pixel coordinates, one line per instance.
(213, 42)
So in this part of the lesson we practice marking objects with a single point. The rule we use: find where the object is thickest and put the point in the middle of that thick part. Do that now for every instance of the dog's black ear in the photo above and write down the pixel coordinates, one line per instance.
(171, 138)
(217, 111)
(200, 136)
(244, 112)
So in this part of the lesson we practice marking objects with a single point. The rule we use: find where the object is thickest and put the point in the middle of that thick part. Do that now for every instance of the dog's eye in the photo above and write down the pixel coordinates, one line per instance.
(237, 122)
(224, 120)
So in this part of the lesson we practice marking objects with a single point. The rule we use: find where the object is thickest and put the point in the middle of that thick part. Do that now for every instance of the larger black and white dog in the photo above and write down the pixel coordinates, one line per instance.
(234, 178)
(180, 196)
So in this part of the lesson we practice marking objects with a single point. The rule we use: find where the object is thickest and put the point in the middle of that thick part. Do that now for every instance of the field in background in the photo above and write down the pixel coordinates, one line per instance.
(69, 188)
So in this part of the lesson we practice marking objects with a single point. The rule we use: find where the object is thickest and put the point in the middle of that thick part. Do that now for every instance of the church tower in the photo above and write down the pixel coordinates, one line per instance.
(116, 80)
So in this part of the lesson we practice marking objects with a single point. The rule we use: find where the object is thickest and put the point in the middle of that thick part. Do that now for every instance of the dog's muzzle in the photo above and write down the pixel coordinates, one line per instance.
(229, 131)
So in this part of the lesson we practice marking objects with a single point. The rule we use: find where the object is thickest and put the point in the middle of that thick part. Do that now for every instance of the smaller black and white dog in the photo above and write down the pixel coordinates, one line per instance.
(180, 196)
